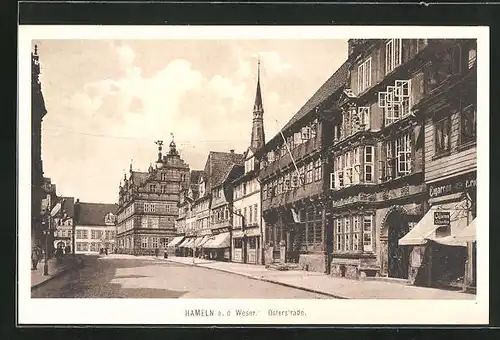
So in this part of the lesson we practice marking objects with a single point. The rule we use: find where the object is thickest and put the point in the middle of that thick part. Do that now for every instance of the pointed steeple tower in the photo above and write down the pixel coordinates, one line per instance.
(258, 138)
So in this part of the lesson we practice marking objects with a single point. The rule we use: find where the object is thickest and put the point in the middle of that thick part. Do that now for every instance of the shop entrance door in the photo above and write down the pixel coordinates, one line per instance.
(398, 255)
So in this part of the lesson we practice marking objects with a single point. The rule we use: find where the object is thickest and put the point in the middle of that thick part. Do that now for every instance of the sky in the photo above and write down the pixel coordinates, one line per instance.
(108, 101)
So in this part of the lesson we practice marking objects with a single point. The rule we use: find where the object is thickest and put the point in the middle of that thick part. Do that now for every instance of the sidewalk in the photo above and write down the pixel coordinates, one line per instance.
(328, 285)
(55, 269)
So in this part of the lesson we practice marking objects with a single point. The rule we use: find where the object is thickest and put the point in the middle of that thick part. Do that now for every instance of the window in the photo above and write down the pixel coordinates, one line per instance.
(306, 133)
(287, 184)
(468, 121)
(365, 75)
(332, 180)
(250, 214)
(392, 55)
(367, 233)
(256, 213)
(472, 58)
(368, 171)
(442, 135)
(152, 187)
(155, 223)
(355, 165)
(238, 243)
(144, 242)
(144, 222)
(309, 174)
(339, 171)
(395, 102)
(149, 207)
(398, 158)
(338, 234)
(163, 189)
(163, 176)
(317, 170)
(264, 191)
(155, 242)
(364, 116)
(355, 233)
(347, 233)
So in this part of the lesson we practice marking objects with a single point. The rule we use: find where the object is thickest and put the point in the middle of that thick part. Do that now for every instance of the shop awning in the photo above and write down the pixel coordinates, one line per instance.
(201, 240)
(425, 229)
(175, 241)
(190, 243)
(185, 242)
(218, 241)
(468, 234)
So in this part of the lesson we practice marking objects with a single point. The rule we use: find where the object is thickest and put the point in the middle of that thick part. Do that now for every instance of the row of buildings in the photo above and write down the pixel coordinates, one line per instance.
(62, 222)
(374, 176)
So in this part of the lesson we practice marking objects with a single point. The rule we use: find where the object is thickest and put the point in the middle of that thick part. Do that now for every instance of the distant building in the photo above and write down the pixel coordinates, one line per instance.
(95, 227)
(63, 224)
(38, 111)
(148, 204)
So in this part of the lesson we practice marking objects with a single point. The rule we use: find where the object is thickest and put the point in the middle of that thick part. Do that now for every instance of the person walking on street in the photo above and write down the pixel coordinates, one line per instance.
(34, 258)
(157, 251)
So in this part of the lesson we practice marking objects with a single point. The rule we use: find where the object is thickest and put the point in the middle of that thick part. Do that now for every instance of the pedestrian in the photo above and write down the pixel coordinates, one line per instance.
(34, 258)
(106, 251)
(157, 251)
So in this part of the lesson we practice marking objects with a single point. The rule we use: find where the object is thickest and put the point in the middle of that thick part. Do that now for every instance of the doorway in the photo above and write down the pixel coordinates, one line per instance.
(398, 256)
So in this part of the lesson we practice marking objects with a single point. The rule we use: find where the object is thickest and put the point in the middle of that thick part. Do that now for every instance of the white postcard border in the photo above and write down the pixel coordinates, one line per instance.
(172, 311)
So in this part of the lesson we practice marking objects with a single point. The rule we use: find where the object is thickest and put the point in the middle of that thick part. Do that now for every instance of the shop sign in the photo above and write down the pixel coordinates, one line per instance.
(453, 185)
(221, 230)
(441, 218)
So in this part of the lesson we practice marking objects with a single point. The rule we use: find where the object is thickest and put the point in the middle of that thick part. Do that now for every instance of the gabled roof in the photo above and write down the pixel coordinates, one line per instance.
(94, 213)
(332, 85)
(235, 171)
(218, 166)
(194, 176)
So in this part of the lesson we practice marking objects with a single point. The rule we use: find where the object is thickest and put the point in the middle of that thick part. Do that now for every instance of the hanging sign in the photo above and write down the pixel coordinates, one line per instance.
(441, 218)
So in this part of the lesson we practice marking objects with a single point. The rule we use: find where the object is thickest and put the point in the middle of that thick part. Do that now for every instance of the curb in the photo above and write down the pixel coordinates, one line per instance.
(264, 280)
(66, 269)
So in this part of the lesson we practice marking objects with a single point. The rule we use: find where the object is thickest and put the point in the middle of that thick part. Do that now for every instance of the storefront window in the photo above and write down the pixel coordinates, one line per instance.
(238, 243)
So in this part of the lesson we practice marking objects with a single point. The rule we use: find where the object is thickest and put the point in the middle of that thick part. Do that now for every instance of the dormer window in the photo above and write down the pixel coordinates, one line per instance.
(395, 102)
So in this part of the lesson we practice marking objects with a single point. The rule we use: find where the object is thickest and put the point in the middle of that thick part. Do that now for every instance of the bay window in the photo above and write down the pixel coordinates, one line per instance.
(396, 101)
(347, 233)
(355, 233)
(306, 133)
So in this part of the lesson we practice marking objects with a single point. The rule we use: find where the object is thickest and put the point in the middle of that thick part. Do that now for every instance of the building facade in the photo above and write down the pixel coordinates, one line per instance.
(64, 225)
(38, 111)
(247, 236)
(95, 228)
(293, 165)
(450, 118)
(148, 204)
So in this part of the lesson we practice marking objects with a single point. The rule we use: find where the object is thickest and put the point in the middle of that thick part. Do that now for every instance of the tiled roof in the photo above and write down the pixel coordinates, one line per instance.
(94, 213)
(334, 83)
(218, 165)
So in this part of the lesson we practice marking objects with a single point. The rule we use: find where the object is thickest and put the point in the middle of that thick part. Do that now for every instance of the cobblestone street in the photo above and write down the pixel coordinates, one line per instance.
(122, 276)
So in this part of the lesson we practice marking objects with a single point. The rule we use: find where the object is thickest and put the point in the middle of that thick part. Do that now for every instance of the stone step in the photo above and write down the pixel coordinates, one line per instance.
(283, 266)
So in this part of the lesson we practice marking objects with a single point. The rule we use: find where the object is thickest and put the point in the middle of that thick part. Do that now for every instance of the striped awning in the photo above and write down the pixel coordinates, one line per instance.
(218, 241)
(175, 241)
(185, 242)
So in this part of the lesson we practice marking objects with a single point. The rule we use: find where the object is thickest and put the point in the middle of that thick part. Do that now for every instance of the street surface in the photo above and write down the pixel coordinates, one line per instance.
(123, 276)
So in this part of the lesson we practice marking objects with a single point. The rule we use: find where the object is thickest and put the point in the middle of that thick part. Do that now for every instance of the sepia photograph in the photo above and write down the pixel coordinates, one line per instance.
(252, 178)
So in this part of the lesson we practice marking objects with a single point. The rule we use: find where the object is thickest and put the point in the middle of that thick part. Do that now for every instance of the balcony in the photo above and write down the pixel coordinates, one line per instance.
(298, 153)
(293, 195)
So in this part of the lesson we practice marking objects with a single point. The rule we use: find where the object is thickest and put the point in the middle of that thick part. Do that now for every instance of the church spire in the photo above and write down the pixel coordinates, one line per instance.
(258, 138)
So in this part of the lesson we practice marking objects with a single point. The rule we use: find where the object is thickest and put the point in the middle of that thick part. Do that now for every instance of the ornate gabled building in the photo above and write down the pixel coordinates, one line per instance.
(148, 203)
(38, 111)
(293, 187)
(377, 190)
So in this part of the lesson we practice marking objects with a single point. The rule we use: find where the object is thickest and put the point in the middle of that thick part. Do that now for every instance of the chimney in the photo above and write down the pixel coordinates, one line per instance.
(232, 150)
